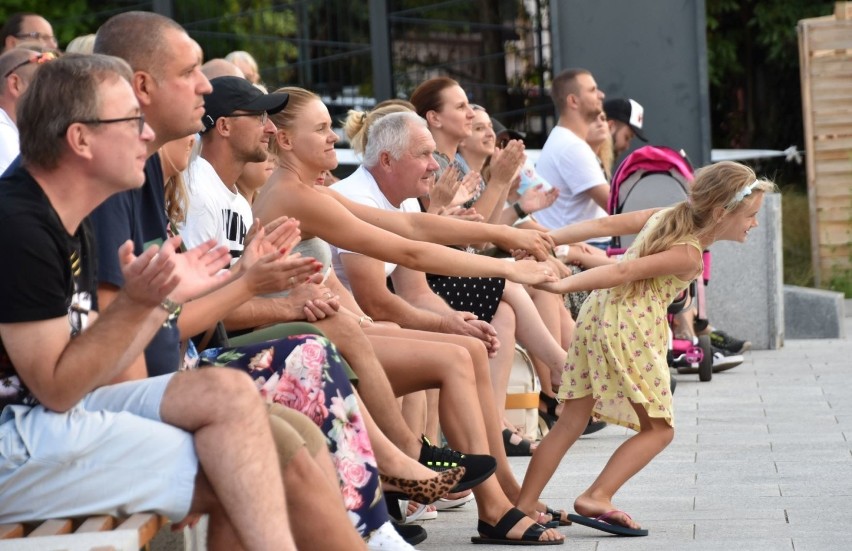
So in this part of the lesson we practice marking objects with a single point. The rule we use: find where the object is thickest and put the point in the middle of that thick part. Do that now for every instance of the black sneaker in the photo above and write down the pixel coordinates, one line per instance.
(727, 344)
(477, 467)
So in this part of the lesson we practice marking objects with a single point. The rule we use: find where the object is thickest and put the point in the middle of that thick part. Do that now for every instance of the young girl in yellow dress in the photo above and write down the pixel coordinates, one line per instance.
(616, 368)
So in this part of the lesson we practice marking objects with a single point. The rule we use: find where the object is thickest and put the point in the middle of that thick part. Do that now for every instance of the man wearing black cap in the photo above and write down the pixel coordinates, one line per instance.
(236, 131)
(625, 118)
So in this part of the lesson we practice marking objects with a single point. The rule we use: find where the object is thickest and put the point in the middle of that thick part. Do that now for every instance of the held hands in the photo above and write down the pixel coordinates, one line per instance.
(537, 198)
(534, 242)
(160, 273)
(529, 272)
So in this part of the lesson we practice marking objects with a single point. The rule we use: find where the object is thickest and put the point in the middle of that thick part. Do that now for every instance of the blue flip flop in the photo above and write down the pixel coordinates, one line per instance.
(600, 523)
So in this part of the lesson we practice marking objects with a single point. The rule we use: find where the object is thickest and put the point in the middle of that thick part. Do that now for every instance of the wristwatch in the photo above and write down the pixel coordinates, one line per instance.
(170, 306)
(518, 210)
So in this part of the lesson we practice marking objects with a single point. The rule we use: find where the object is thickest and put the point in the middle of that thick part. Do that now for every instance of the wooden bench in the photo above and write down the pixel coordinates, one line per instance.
(23, 535)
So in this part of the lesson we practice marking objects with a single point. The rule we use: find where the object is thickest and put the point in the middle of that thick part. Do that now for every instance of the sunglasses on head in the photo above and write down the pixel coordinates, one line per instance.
(38, 59)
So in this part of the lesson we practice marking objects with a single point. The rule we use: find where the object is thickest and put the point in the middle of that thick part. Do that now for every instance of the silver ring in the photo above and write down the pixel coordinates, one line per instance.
(292, 281)
(327, 295)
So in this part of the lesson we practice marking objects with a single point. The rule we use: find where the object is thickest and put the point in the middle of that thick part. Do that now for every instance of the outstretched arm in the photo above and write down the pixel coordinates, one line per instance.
(681, 261)
(445, 230)
(617, 224)
(321, 215)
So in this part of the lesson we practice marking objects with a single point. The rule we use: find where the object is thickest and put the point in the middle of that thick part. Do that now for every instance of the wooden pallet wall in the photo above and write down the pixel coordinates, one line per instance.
(825, 56)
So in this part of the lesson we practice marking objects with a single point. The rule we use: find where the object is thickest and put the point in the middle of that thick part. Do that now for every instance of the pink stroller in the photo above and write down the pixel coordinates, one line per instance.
(657, 176)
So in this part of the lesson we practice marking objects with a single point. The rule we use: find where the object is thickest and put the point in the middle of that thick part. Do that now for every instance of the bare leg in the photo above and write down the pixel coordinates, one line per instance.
(551, 450)
(478, 355)
(432, 424)
(414, 411)
(558, 321)
(390, 459)
(235, 450)
(501, 363)
(373, 384)
(630, 457)
(220, 532)
(315, 501)
(414, 364)
(532, 332)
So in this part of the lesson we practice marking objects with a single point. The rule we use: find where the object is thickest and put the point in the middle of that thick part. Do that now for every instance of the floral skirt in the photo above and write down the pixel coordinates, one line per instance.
(306, 373)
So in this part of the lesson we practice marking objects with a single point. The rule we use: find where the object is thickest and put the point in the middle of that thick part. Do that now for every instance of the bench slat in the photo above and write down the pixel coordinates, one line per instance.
(147, 524)
(11, 531)
(96, 524)
(53, 527)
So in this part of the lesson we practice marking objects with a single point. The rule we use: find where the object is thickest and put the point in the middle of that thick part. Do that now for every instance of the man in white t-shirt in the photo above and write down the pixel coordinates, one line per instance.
(17, 68)
(398, 167)
(237, 131)
(566, 160)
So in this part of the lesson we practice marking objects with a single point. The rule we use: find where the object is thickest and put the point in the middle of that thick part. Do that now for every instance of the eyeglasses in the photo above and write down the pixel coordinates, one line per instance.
(38, 36)
(38, 59)
(140, 121)
(264, 116)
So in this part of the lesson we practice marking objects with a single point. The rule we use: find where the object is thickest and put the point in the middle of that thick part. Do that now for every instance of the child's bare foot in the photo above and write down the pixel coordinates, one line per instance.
(589, 507)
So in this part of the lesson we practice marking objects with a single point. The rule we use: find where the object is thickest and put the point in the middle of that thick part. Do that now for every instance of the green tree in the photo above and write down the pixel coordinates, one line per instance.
(754, 74)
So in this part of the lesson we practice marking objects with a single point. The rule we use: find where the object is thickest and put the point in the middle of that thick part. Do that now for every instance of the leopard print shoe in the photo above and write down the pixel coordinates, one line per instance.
(425, 491)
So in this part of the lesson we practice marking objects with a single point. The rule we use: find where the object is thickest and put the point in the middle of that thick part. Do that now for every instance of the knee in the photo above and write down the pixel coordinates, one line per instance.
(665, 434)
(225, 385)
(463, 367)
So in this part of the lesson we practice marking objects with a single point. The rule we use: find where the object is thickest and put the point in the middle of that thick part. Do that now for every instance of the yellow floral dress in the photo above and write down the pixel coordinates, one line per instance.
(618, 354)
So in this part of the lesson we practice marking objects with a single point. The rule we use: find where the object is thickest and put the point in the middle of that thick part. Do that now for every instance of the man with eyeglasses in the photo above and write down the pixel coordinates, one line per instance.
(26, 27)
(236, 131)
(71, 443)
(17, 68)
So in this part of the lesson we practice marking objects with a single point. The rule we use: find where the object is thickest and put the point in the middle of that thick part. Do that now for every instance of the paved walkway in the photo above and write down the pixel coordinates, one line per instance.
(762, 460)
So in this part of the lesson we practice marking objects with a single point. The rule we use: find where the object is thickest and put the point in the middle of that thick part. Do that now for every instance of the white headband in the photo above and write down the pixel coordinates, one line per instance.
(742, 194)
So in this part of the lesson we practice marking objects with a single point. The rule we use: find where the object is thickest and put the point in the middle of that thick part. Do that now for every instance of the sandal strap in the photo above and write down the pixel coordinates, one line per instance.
(509, 520)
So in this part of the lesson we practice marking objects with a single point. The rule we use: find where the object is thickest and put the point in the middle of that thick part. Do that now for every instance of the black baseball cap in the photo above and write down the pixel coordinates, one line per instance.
(629, 112)
(234, 94)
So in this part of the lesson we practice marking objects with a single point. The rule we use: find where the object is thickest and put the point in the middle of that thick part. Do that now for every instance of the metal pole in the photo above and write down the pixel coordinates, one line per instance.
(163, 7)
(381, 50)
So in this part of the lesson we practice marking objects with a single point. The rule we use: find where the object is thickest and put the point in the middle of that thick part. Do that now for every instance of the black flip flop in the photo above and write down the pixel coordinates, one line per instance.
(497, 534)
(600, 523)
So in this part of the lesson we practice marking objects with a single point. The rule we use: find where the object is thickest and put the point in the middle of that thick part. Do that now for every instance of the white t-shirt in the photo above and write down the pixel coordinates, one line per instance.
(215, 212)
(362, 188)
(570, 165)
(10, 145)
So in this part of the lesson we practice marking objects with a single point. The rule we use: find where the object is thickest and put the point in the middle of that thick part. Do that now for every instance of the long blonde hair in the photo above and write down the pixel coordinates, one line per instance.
(718, 190)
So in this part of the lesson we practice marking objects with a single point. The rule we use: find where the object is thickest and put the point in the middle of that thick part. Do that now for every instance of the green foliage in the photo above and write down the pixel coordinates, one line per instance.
(69, 19)
(795, 217)
(753, 65)
(264, 28)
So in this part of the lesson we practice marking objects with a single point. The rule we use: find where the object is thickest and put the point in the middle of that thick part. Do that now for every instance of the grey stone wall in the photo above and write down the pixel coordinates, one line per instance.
(745, 296)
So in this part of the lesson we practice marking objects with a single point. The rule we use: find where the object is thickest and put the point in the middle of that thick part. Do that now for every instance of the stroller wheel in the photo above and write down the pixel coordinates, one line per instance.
(705, 368)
